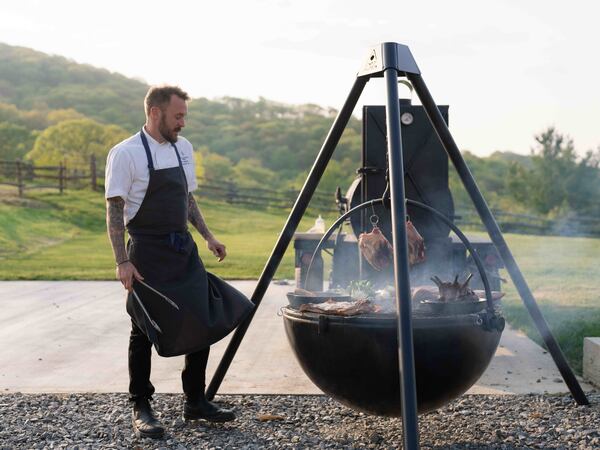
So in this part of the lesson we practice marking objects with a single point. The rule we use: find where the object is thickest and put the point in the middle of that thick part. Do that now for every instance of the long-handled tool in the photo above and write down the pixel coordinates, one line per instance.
(171, 302)
(152, 322)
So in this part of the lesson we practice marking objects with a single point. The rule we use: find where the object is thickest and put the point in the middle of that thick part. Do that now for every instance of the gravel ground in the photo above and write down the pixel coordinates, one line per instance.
(302, 422)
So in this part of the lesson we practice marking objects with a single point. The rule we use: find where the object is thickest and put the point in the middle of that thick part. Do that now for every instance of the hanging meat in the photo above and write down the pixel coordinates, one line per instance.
(416, 245)
(378, 251)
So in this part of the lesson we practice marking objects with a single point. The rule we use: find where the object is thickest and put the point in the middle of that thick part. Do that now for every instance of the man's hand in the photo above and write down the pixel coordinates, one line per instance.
(216, 248)
(126, 272)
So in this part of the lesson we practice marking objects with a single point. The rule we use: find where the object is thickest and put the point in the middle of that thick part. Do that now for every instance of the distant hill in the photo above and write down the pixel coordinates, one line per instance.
(32, 80)
(510, 157)
(51, 103)
(285, 138)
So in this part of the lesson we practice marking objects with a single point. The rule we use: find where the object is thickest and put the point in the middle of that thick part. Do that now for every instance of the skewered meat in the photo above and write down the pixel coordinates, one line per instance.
(378, 251)
(416, 245)
(455, 291)
(362, 306)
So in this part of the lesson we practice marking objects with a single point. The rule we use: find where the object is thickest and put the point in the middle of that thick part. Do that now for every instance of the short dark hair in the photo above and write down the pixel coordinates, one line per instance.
(161, 96)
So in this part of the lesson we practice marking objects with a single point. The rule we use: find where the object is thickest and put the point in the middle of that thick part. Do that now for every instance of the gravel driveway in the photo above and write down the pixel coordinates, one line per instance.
(472, 422)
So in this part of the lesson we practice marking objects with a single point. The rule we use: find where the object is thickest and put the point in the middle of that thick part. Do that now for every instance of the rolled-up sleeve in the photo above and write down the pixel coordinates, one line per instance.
(119, 174)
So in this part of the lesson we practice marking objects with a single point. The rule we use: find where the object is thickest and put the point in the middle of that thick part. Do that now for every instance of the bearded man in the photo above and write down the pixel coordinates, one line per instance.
(173, 302)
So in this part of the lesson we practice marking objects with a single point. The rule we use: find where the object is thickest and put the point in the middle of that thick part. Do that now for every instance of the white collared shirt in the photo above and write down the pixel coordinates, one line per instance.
(127, 171)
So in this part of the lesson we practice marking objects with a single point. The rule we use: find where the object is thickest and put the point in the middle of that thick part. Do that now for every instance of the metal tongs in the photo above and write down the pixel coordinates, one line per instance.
(167, 299)
(171, 302)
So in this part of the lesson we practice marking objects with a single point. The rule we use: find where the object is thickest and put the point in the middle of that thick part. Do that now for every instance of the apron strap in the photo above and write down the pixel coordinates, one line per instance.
(149, 157)
(147, 148)
(181, 165)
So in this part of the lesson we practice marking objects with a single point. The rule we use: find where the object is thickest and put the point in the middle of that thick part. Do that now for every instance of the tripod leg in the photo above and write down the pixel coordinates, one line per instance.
(401, 276)
(497, 238)
(290, 227)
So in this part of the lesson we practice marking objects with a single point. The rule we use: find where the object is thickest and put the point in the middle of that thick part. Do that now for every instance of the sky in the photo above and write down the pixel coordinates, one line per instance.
(508, 68)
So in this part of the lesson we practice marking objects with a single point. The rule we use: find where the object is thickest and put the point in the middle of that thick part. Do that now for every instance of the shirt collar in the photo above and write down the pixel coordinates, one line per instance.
(151, 140)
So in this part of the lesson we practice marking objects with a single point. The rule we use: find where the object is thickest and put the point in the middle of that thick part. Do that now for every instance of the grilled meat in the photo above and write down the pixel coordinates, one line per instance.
(378, 251)
(416, 245)
(354, 308)
(455, 291)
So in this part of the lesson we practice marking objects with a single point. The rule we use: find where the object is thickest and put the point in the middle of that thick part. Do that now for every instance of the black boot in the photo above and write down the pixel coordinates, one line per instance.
(203, 409)
(144, 422)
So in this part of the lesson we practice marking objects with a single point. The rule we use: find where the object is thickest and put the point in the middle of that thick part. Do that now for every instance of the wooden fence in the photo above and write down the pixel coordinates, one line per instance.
(260, 197)
(25, 176)
(573, 225)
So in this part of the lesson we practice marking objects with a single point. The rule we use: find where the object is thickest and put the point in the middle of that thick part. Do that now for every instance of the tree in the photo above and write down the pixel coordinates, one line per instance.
(199, 164)
(217, 168)
(74, 141)
(557, 180)
(249, 173)
(60, 115)
(335, 175)
(15, 141)
(554, 163)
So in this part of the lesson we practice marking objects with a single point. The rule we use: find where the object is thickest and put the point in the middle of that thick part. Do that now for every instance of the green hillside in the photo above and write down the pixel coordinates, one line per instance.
(35, 88)
(38, 91)
(51, 106)
(32, 80)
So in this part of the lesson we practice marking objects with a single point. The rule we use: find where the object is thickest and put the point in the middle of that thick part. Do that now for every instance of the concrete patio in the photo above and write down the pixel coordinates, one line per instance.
(72, 337)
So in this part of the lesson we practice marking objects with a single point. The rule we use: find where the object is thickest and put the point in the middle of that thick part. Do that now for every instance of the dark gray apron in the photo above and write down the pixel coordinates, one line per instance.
(164, 253)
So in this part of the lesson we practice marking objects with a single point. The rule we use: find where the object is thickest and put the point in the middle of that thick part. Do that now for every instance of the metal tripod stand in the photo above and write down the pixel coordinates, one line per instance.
(392, 60)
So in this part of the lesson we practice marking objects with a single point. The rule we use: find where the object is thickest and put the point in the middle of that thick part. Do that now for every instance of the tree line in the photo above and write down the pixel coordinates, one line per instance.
(54, 111)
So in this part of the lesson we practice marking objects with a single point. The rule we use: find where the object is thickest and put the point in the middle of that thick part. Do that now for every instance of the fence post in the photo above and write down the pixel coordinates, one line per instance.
(231, 193)
(93, 171)
(61, 177)
(20, 178)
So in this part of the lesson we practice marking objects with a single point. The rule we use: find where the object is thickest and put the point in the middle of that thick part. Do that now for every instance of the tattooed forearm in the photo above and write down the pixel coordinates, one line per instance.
(116, 227)
(196, 219)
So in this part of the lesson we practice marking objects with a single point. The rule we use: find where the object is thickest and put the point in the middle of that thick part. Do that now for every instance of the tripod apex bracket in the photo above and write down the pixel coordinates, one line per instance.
(389, 55)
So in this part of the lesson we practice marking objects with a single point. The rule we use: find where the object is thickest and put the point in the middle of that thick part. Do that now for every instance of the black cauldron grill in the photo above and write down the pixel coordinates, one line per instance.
(355, 359)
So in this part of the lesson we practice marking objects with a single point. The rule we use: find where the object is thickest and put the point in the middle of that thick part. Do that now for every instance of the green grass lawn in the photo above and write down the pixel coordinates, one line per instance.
(564, 276)
(63, 237)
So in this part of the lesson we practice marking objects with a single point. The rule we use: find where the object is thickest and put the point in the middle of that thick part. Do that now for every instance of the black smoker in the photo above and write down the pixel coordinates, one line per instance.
(426, 181)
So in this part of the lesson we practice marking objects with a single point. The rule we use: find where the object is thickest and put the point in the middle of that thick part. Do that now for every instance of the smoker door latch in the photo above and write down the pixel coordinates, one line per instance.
(370, 170)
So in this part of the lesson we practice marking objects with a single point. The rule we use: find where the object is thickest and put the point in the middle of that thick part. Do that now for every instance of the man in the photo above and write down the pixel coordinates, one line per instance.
(149, 180)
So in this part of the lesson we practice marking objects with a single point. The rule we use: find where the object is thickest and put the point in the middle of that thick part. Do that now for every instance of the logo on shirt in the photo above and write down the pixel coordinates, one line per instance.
(185, 160)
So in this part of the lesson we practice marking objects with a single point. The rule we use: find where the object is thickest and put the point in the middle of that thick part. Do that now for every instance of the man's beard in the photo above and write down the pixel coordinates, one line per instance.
(169, 135)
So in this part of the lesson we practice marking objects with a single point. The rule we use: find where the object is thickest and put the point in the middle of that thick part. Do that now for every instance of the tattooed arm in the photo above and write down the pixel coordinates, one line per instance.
(126, 271)
(196, 219)
(116, 227)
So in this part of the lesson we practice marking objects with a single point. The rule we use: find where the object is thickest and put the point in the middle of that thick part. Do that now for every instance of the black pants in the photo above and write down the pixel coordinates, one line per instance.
(193, 376)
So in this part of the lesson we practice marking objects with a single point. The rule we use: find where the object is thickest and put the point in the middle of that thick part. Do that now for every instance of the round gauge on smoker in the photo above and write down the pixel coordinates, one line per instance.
(406, 118)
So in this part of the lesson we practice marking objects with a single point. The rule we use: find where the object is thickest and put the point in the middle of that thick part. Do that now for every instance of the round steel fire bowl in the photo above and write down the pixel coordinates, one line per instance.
(355, 359)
